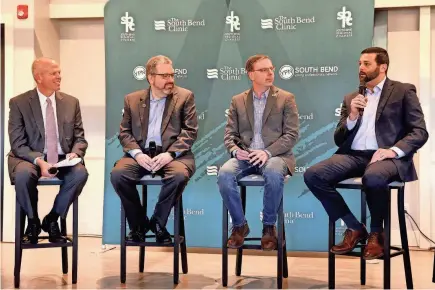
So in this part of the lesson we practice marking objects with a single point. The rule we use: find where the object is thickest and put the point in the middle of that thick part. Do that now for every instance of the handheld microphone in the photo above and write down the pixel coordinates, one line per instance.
(153, 151)
(362, 89)
(52, 170)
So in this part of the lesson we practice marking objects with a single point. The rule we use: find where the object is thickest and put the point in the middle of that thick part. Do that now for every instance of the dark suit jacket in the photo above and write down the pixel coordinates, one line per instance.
(399, 122)
(280, 130)
(179, 123)
(26, 127)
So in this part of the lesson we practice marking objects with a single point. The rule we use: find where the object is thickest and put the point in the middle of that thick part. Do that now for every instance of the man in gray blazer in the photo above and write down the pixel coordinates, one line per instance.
(377, 136)
(164, 116)
(45, 126)
(261, 131)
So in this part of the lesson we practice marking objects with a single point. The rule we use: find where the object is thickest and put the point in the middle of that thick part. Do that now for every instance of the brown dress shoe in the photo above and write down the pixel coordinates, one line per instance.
(269, 240)
(350, 240)
(238, 235)
(375, 246)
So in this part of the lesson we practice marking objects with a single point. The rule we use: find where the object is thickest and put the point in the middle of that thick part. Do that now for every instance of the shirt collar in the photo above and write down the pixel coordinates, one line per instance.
(155, 100)
(265, 94)
(378, 88)
(43, 98)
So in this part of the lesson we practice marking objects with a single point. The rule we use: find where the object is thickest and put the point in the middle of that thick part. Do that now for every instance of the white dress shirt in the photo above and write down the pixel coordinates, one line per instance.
(365, 138)
(43, 101)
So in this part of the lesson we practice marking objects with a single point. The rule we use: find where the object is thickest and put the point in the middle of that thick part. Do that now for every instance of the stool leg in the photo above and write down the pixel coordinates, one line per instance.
(404, 238)
(75, 240)
(64, 249)
(224, 245)
(184, 266)
(177, 241)
(433, 274)
(18, 237)
(387, 244)
(285, 272)
(363, 221)
(331, 256)
(280, 245)
(142, 248)
(239, 256)
(123, 246)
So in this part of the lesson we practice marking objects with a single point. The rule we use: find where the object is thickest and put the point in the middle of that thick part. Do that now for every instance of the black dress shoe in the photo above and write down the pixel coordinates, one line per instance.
(162, 235)
(136, 235)
(52, 228)
(32, 231)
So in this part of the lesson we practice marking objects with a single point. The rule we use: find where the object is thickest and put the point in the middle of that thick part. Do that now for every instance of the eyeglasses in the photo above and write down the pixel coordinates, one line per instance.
(165, 76)
(266, 69)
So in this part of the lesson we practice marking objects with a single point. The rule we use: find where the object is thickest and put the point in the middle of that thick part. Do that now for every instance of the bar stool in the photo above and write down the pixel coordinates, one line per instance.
(356, 183)
(179, 234)
(282, 271)
(19, 232)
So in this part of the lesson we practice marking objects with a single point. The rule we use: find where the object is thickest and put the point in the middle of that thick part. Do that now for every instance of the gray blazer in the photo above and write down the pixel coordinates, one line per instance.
(280, 130)
(26, 127)
(179, 127)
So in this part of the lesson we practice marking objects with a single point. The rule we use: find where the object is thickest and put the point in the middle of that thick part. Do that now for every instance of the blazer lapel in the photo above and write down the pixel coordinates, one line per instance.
(385, 95)
(35, 106)
(171, 100)
(60, 113)
(144, 113)
(270, 102)
(249, 104)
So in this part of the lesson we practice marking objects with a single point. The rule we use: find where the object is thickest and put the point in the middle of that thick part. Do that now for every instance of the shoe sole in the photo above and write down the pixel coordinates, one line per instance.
(373, 257)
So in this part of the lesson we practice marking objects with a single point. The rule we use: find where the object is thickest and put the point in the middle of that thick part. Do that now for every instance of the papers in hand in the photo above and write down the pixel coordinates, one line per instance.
(67, 162)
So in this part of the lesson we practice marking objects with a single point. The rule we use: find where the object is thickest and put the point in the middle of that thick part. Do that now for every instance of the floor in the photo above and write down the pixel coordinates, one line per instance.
(99, 268)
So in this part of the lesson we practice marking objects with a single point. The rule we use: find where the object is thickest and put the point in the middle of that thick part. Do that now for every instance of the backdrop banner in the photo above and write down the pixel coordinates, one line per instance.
(315, 47)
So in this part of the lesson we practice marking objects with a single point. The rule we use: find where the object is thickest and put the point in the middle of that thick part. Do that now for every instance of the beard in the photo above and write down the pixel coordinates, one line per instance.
(371, 75)
(167, 88)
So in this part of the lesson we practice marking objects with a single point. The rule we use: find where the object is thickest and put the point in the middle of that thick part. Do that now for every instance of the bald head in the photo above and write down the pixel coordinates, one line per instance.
(46, 73)
(41, 64)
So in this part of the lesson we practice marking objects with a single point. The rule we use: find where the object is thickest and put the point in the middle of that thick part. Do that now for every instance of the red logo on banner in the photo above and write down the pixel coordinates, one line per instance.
(22, 11)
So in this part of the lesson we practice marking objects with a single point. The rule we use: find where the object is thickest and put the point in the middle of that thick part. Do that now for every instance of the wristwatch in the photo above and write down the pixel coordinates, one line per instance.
(173, 155)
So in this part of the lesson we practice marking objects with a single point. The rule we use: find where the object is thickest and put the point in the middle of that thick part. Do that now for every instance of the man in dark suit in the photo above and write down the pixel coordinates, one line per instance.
(264, 122)
(377, 137)
(163, 115)
(45, 126)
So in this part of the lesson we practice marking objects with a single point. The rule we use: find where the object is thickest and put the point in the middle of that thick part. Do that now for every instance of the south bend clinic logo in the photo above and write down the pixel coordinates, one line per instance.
(285, 23)
(345, 19)
(212, 170)
(129, 28)
(226, 73)
(177, 25)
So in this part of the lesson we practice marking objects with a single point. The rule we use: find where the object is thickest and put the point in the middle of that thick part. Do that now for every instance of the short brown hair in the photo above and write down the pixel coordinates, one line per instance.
(253, 59)
(154, 61)
(381, 55)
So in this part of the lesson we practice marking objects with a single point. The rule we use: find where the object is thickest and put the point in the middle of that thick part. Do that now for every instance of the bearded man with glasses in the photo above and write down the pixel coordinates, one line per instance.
(261, 131)
(161, 118)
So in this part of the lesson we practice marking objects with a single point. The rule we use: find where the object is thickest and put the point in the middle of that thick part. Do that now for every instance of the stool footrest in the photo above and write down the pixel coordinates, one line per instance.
(152, 244)
(69, 243)
(396, 252)
(252, 239)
